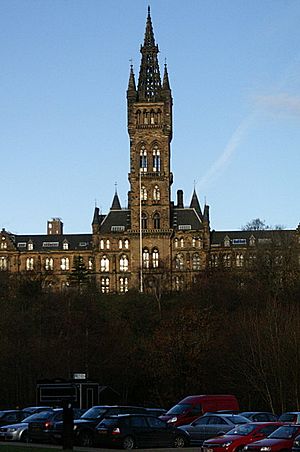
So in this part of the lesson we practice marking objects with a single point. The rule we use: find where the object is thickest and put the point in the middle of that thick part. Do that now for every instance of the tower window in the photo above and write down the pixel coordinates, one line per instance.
(156, 159)
(29, 263)
(3, 263)
(179, 262)
(156, 193)
(105, 285)
(49, 263)
(123, 282)
(143, 160)
(144, 220)
(196, 261)
(156, 220)
(143, 193)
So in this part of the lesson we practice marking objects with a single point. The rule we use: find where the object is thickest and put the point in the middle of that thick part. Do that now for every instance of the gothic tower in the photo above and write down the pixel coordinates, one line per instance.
(150, 130)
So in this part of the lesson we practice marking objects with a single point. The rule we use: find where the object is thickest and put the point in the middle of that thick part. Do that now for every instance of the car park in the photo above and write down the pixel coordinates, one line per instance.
(211, 425)
(237, 438)
(281, 439)
(259, 416)
(35, 409)
(129, 431)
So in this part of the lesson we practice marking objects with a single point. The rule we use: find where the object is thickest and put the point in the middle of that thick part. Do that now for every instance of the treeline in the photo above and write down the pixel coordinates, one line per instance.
(234, 332)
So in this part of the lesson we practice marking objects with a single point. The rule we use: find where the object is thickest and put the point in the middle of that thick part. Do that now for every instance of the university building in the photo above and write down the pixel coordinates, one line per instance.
(153, 241)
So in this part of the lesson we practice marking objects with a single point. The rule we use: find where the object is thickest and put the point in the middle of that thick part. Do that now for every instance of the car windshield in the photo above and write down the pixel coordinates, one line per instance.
(181, 408)
(242, 430)
(238, 419)
(94, 413)
(37, 416)
(285, 432)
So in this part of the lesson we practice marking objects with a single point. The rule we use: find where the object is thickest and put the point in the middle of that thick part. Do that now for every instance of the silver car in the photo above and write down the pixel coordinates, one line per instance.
(18, 432)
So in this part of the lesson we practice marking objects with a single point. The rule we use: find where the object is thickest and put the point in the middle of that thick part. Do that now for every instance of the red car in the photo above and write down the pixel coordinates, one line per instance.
(237, 438)
(281, 439)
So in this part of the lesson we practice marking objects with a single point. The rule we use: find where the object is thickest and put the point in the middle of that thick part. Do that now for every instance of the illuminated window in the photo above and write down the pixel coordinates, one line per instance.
(101, 244)
(179, 283)
(3, 263)
(146, 258)
(227, 260)
(126, 244)
(143, 193)
(123, 283)
(156, 159)
(104, 264)
(176, 243)
(143, 160)
(65, 264)
(30, 246)
(239, 260)
(124, 264)
(29, 263)
(3, 245)
(105, 285)
(179, 261)
(49, 263)
(214, 260)
(155, 258)
(65, 245)
(196, 261)
(90, 263)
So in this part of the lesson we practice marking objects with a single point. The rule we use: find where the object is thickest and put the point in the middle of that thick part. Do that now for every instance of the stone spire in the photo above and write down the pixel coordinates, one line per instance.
(149, 84)
(131, 90)
(195, 204)
(116, 205)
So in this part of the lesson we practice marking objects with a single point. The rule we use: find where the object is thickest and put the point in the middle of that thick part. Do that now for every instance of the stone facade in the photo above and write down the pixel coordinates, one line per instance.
(153, 242)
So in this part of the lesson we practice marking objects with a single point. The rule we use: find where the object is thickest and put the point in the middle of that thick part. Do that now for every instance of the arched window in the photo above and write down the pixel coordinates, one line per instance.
(91, 263)
(3, 263)
(152, 120)
(124, 264)
(105, 285)
(143, 159)
(107, 244)
(227, 260)
(123, 283)
(65, 245)
(179, 283)
(196, 261)
(156, 220)
(126, 244)
(179, 261)
(181, 243)
(155, 258)
(239, 260)
(49, 263)
(214, 260)
(104, 264)
(144, 220)
(138, 117)
(101, 244)
(143, 193)
(145, 117)
(156, 193)
(29, 263)
(65, 264)
(3, 245)
(176, 243)
(146, 258)
(156, 159)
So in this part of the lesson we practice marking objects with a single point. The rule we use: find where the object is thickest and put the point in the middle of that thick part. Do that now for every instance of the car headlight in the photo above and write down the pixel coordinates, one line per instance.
(75, 427)
(173, 419)
(265, 449)
(227, 444)
(297, 443)
(246, 448)
(11, 429)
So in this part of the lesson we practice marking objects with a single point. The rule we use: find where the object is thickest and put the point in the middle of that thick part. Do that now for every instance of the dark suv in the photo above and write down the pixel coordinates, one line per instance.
(84, 427)
(138, 430)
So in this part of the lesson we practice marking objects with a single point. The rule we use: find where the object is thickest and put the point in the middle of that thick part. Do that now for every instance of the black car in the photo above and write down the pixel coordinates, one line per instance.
(129, 431)
(42, 428)
(260, 416)
(84, 427)
(11, 416)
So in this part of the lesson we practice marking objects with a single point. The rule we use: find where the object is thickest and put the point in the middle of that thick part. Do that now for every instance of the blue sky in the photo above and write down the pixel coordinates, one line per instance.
(234, 69)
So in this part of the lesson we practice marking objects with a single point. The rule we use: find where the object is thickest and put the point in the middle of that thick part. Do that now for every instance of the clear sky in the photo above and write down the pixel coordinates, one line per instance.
(234, 69)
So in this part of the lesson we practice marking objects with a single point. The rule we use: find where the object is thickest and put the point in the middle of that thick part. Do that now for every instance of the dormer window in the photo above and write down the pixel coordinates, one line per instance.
(252, 240)
(226, 241)
(65, 245)
(30, 246)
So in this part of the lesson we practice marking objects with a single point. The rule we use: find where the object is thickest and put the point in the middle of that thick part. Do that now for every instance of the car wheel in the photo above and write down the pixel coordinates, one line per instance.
(128, 443)
(24, 437)
(85, 439)
(179, 441)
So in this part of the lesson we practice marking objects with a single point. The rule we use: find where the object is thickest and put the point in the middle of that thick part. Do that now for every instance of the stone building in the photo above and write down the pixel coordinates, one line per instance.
(153, 242)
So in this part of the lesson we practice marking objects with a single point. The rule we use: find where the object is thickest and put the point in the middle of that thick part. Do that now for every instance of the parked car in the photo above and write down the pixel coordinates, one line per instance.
(138, 430)
(11, 416)
(211, 425)
(281, 439)
(190, 408)
(156, 411)
(42, 428)
(237, 438)
(296, 444)
(292, 417)
(260, 416)
(19, 431)
(84, 427)
(35, 409)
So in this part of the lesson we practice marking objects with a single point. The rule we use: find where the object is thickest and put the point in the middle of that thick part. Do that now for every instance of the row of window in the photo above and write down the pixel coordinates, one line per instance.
(145, 164)
(196, 242)
(181, 262)
(155, 193)
(106, 244)
(105, 284)
(153, 117)
(239, 259)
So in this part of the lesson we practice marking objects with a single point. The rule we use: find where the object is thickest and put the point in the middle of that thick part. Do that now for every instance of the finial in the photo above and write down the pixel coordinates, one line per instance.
(95, 202)
(131, 63)
(205, 200)
(165, 62)
(116, 185)
(148, 10)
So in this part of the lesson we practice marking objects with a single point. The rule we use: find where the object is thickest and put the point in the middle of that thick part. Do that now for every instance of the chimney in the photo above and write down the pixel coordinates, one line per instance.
(180, 198)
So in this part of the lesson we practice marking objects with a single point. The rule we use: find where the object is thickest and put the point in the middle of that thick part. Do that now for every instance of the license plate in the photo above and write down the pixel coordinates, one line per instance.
(102, 432)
